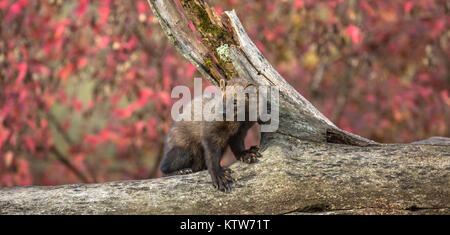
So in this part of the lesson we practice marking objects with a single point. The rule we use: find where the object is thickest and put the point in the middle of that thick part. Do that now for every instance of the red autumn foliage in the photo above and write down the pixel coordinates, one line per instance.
(85, 85)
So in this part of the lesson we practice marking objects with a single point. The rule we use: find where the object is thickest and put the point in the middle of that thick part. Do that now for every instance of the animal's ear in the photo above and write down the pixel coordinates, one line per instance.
(223, 85)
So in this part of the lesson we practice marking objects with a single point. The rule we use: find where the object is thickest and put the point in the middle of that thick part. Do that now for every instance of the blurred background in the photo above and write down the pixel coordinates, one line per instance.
(85, 85)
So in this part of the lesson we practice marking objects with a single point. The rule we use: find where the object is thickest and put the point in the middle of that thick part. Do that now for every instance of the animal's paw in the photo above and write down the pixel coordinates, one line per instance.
(185, 171)
(251, 155)
(222, 180)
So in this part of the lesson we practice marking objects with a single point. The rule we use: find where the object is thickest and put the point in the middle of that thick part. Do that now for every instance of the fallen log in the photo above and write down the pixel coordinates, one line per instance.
(292, 177)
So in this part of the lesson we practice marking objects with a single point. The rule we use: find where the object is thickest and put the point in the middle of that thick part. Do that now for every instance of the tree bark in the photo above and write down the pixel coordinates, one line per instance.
(292, 177)
(309, 165)
(226, 51)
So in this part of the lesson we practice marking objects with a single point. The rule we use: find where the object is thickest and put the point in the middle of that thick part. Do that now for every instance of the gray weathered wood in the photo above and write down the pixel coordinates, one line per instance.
(292, 177)
(298, 117)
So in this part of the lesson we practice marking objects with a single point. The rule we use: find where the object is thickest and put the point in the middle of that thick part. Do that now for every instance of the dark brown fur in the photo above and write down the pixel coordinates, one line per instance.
(193, 146)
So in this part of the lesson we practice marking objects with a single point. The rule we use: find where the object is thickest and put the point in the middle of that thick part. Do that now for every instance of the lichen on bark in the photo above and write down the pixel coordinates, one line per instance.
(213, 35)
